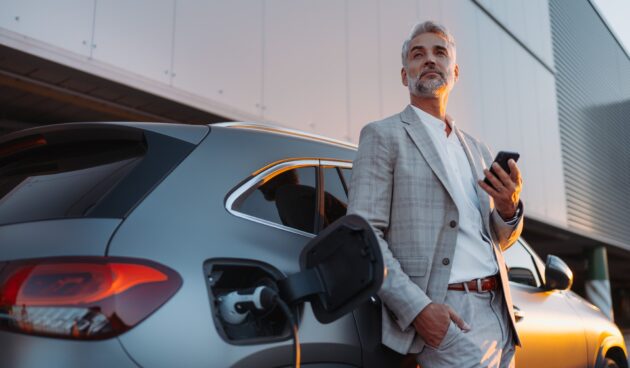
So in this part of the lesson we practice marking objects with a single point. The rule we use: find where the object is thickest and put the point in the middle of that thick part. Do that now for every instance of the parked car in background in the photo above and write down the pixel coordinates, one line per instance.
(557, 327)
(121, 242)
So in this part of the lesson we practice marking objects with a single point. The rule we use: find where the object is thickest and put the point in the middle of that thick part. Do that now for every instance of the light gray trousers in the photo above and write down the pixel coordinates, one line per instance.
(488, 343)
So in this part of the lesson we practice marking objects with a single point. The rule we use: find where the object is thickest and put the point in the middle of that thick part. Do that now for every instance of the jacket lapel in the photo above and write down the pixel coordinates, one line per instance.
(476, 165)
(421, 138)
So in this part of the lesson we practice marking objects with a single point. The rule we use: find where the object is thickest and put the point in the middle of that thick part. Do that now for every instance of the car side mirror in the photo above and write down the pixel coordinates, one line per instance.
(522, 276)
(558, 276)
(341, 268)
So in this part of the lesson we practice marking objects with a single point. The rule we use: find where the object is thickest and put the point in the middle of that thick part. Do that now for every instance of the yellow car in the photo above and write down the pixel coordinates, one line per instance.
(557, 327)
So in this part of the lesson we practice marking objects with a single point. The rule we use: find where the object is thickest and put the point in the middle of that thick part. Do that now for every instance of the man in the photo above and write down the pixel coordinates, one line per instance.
(440, 228)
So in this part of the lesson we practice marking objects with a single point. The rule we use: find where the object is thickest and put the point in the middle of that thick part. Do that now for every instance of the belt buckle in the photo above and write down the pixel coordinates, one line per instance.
(479, 286)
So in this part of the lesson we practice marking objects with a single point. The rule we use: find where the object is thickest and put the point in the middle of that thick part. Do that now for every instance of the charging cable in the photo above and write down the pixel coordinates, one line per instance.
(234, 308)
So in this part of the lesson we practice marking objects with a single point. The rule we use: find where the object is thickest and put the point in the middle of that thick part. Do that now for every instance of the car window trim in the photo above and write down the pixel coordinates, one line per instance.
(339, 165)
(254, 180)
(319, 198)
(538, 263)
(343, 181)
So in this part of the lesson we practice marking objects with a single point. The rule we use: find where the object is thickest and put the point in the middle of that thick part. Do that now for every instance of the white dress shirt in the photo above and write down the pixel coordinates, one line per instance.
(474, 257)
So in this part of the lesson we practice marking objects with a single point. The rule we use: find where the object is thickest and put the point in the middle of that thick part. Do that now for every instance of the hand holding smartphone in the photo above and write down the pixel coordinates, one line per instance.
(502, 159)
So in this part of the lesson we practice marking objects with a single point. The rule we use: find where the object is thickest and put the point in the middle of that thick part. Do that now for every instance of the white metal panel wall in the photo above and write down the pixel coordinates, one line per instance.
(527, 20)
(62, 23)
(396, 18)
(218, 51)
(364, 96)
(506, 98)
(136, 36)
(331, 66)
(305, 69)
(465, 101)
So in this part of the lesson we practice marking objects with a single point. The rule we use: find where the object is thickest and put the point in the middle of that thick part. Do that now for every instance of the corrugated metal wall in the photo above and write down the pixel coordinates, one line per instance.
(593, 93)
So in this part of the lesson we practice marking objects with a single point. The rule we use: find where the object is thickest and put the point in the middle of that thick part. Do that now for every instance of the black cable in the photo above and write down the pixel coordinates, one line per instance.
(294, 330)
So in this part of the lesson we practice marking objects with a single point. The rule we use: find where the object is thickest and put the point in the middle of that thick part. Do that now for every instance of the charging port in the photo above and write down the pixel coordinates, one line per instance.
(227, 277)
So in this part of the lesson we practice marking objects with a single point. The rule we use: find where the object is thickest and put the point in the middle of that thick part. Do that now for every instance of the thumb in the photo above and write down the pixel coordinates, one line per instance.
(458, 320)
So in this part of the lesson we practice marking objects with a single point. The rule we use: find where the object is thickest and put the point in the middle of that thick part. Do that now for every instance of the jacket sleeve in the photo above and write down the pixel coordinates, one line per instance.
(504, 233)
(370, 197)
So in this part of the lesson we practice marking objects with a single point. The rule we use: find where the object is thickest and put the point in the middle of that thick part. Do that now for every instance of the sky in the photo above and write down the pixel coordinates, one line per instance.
(616, 13)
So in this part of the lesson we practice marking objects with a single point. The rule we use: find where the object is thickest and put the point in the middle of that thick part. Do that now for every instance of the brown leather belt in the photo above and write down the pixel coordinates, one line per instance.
(479, 285)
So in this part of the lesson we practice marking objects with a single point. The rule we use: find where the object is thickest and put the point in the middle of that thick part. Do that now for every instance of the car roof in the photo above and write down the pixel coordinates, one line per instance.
(193, 133)
(279, 130)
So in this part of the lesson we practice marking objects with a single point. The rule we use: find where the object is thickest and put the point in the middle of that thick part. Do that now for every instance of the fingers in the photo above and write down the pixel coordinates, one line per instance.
(503, 176)
(515, 173)
(432, 323)
(488, 189)
(458, 320)
(493, 179)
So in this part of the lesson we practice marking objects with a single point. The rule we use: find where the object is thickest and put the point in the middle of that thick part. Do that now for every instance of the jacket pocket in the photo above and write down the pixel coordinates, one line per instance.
(414, 266)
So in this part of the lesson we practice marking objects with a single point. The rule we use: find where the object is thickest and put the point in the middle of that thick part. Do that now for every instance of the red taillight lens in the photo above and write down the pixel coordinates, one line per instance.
(82, 297)
(22, 144)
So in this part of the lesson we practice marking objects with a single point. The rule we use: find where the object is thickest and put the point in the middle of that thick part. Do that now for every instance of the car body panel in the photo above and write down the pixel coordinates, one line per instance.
(601, 334)
(196, 208)
(549, 328)
(51, 238)
(23, 351)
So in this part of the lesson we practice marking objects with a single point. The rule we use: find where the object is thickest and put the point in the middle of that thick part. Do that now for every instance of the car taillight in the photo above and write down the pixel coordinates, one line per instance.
(82, 297)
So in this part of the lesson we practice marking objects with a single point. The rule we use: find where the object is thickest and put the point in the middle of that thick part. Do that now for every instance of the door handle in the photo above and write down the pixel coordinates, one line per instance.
(518, 314)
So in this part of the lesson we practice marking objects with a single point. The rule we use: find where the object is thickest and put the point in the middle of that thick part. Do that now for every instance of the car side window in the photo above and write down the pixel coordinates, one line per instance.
(335, 196)
(286, 197)
(521, 266)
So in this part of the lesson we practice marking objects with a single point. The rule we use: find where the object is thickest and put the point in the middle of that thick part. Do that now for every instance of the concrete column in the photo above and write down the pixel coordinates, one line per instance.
(598, 281)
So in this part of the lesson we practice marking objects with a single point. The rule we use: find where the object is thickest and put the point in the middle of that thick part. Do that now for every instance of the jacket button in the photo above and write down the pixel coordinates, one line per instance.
(446, 261)
(453, 223)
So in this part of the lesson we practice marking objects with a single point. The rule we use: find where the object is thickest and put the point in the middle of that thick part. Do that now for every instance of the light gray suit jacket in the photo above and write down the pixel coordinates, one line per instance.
(400, 186)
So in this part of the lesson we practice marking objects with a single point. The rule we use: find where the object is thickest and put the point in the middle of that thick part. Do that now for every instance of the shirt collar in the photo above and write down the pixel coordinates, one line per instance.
(432, 122)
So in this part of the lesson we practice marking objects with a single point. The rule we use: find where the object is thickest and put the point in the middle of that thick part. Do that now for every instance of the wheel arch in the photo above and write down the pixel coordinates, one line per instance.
(614, 349)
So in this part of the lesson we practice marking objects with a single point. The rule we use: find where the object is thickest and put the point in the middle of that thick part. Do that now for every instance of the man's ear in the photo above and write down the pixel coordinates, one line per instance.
(403, 76)
(456, 72)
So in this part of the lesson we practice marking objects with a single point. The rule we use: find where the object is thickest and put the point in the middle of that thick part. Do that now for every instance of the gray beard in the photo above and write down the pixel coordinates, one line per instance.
(425, 88)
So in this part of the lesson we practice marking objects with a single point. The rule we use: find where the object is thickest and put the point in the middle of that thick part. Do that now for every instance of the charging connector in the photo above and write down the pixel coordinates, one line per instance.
(235, 306)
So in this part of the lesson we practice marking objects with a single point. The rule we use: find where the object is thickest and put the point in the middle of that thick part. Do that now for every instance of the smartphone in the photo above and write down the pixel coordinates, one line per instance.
(502, 159)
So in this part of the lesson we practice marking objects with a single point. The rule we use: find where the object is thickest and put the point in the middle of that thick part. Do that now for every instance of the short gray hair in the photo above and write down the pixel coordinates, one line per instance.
(425, 27)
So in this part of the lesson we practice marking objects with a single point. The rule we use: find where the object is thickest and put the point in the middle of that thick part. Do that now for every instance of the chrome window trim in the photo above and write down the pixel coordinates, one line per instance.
(340, 164)
(249, 184)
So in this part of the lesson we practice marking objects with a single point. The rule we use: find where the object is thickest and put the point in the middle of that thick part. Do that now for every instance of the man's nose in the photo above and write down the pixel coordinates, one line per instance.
(429, 59)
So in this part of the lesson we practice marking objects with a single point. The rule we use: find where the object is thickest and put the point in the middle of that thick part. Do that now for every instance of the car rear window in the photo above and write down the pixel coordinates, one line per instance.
(82, 171)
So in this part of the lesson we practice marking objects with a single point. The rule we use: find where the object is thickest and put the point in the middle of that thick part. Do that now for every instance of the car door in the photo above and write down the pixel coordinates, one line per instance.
(335, 177)
(552, 334)
(289, 197)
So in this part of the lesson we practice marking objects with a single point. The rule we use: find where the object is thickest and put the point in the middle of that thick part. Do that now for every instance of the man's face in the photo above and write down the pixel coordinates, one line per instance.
(431, 69)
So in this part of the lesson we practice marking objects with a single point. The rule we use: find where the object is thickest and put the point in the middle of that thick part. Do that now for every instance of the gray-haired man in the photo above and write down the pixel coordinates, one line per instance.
(441, 229)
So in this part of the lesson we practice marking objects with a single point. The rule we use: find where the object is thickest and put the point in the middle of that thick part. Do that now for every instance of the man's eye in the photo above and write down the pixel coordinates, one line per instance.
(417, 55)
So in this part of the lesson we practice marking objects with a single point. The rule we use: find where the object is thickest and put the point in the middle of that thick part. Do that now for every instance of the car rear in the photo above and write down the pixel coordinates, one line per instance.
(64, 190)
